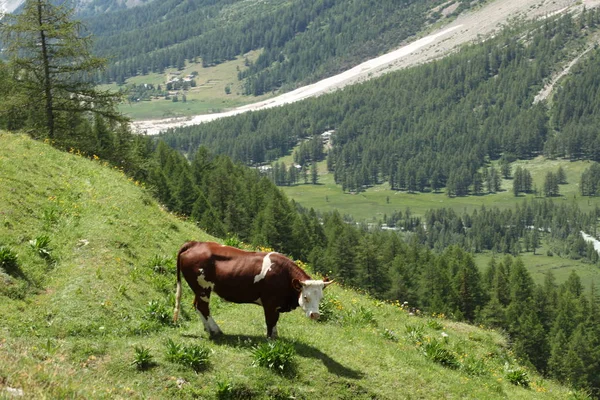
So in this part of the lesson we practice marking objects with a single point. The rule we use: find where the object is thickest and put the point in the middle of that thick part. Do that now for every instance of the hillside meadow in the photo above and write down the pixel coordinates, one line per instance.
(208, 96)
(85, 311)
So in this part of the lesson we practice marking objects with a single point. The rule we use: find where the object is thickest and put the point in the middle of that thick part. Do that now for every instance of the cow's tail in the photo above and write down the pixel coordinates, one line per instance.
(178, 293)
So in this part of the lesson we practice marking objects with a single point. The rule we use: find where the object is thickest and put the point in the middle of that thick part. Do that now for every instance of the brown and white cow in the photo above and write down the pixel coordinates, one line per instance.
(268, 279)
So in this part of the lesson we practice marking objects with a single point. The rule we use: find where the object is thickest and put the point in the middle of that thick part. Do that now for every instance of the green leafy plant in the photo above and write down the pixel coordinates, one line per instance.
(517, 376)
(275, 355)
(474, 366)
(389, 335)
(233, 241)
(158, 311)
(161, 264)
(50, 216)
(224, 390)
(436, 352)
(194, 356)
(41, 245)
(174, 350)
(329, 308)
(435, 324)
(142, 359)
(229, 391)
(414, 333)
(360, 316)
(8, 260)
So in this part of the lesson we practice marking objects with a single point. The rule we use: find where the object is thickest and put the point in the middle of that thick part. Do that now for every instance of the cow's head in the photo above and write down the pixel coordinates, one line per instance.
(311, 293)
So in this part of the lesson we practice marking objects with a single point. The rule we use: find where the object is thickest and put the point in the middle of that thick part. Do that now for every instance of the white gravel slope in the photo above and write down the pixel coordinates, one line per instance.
(466, 28)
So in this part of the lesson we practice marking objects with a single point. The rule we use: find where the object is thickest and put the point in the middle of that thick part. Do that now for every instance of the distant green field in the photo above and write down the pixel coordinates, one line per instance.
(378, 201)
(540, 264)
(209, 96)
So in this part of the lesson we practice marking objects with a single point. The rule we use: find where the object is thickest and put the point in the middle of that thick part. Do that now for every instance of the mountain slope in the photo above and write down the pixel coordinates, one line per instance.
(301, 41)
(84, 7)
(468, 27)
(72, 314)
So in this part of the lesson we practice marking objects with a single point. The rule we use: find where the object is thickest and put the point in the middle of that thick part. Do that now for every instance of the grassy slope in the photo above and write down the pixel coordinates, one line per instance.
(72, 332)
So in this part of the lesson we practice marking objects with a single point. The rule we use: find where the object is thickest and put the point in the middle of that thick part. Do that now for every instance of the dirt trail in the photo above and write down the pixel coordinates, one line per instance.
(547, 90)
(466, 28)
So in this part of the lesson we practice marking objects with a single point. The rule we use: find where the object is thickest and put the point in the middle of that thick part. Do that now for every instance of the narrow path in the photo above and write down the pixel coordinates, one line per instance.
(545, 92)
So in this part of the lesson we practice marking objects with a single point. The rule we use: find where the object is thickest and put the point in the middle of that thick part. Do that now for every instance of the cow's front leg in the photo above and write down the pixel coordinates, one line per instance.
(201, 305)
(271, 318)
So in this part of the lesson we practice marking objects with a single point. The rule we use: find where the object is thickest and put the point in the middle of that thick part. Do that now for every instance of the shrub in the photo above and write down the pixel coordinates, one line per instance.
(41, 245)
(435, 325)
(8, 261)
(233, 241)
(474, 366)
(161, 264)
(414, 333)
(328, 308)
(158, 311)
(228, 391)
(275, 355)
(360, 316)
(517, 376)
(142, 358)
(174, 350)
(194, 356)
(436, 352)
(389, 335)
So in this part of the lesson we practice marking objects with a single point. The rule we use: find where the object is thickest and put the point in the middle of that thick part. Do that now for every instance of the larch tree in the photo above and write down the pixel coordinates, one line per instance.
(50, 54)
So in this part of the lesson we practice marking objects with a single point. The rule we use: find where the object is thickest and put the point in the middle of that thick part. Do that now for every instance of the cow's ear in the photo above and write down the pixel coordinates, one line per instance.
(297, 285)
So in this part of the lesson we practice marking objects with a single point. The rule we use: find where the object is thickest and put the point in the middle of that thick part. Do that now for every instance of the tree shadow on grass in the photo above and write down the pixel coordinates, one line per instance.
(302, 349)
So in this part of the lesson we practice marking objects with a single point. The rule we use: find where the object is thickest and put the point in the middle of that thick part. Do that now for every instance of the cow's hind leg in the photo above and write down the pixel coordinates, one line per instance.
(201, 305)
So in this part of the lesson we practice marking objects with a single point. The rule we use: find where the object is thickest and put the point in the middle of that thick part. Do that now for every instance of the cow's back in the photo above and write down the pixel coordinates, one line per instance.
(230, 272)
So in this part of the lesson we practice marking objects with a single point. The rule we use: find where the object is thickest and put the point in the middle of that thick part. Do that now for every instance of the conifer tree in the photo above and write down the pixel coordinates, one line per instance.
(314, 175)
(52, 60)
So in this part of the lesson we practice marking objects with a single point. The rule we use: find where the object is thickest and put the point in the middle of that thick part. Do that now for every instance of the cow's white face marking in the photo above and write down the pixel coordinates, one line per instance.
(204, 284)
(310, 297)
(266, 267)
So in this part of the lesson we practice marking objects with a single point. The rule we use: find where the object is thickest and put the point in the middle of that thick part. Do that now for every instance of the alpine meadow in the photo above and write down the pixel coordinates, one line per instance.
(452, 199)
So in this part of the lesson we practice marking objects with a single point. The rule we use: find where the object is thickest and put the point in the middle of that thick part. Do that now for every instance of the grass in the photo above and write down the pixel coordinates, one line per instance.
(207, 97)
(378, 200)
(540, 264)
(83, 328)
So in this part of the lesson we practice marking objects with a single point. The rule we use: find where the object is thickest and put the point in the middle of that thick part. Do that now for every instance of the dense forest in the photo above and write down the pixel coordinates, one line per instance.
(426, 262)
(301, 41)
(474, 107)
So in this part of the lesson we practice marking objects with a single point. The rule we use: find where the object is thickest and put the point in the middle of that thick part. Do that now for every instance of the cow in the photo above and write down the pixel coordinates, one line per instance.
(267, 279)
